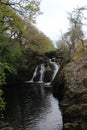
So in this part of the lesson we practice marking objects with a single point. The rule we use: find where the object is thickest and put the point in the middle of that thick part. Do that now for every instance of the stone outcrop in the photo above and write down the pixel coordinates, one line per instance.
(71, 84)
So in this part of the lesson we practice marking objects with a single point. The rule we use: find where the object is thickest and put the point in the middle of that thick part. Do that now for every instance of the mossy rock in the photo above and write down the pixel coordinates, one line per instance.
(71, 126)
(78, 56)
(85, 65)
(85, 80)
(48, 76)
(77, 111)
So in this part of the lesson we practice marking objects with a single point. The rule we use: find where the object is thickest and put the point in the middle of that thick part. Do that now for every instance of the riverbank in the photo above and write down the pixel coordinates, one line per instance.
(70, 86)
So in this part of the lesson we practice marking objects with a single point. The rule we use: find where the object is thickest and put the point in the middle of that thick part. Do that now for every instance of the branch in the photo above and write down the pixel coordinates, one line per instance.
(8, 3)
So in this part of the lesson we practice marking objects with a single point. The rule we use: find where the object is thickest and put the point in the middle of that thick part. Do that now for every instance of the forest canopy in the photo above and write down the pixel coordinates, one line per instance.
(19, 40)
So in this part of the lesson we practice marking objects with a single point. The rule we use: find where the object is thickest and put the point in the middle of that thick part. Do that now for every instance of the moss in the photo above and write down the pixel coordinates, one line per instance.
(78, 56)
(77, 110)
(67, 125)
(85, 65)
(72, 109)
(85, 80)
(71, 126)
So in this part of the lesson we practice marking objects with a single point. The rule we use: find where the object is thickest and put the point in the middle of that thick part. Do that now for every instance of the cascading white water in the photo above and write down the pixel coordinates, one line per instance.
(34, 75)
(56, 68)
(42, 70)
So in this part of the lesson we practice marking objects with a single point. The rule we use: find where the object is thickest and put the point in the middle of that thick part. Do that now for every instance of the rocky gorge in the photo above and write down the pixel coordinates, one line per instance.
(70, 87)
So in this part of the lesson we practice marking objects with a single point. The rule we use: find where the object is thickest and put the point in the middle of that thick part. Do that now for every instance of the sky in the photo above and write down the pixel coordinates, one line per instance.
(54, 19)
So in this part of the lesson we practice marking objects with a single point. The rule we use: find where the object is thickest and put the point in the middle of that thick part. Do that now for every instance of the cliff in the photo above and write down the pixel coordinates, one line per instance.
(70, 86)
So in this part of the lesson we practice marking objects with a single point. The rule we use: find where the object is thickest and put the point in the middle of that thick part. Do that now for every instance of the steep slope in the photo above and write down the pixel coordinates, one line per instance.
(71, 82)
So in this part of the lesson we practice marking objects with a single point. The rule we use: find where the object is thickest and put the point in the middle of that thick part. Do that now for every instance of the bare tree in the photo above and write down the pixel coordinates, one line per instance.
(75, 32)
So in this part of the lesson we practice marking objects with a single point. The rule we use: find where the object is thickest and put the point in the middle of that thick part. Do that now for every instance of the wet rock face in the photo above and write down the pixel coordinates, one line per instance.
(74, 104)
(49, 70)
(48, 76)
(58, 84)
(45, 72)
(73, 79)
(85, 81)
(5, 126)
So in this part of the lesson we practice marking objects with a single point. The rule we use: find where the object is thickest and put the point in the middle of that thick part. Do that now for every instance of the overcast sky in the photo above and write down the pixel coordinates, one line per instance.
(54, 17)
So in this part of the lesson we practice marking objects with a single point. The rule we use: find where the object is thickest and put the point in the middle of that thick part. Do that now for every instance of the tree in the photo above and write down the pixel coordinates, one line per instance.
(12, 32)
(12, 14)
(36, 40)
(75, 32)
(25, 8)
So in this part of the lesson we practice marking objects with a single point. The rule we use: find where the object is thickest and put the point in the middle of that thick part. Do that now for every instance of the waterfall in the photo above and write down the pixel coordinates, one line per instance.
(41, 70)
(56, 68)
(34, 75)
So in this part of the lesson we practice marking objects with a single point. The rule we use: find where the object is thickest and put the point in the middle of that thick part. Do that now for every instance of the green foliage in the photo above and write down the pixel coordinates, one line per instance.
(36, 40)
(75, 19)
(2, 104)
(32, 8)
(52, 48)
(61, 44)
(3, 46)
(19, 41)
(2, 74)
(11, 22)
(63, 49)
(25, 8)
(75, 32)
(4, 69)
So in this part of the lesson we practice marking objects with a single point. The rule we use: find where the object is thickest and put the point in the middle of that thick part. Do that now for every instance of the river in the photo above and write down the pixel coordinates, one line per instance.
(32, 107)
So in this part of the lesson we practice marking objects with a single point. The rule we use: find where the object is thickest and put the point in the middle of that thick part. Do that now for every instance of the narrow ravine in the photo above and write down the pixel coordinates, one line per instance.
(32, 106)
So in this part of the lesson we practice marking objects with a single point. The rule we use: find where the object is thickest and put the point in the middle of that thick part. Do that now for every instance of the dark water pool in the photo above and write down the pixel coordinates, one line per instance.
(32, 107)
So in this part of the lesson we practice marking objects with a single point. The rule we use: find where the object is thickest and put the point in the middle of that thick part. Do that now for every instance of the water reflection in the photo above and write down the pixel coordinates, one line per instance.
(32, 107)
